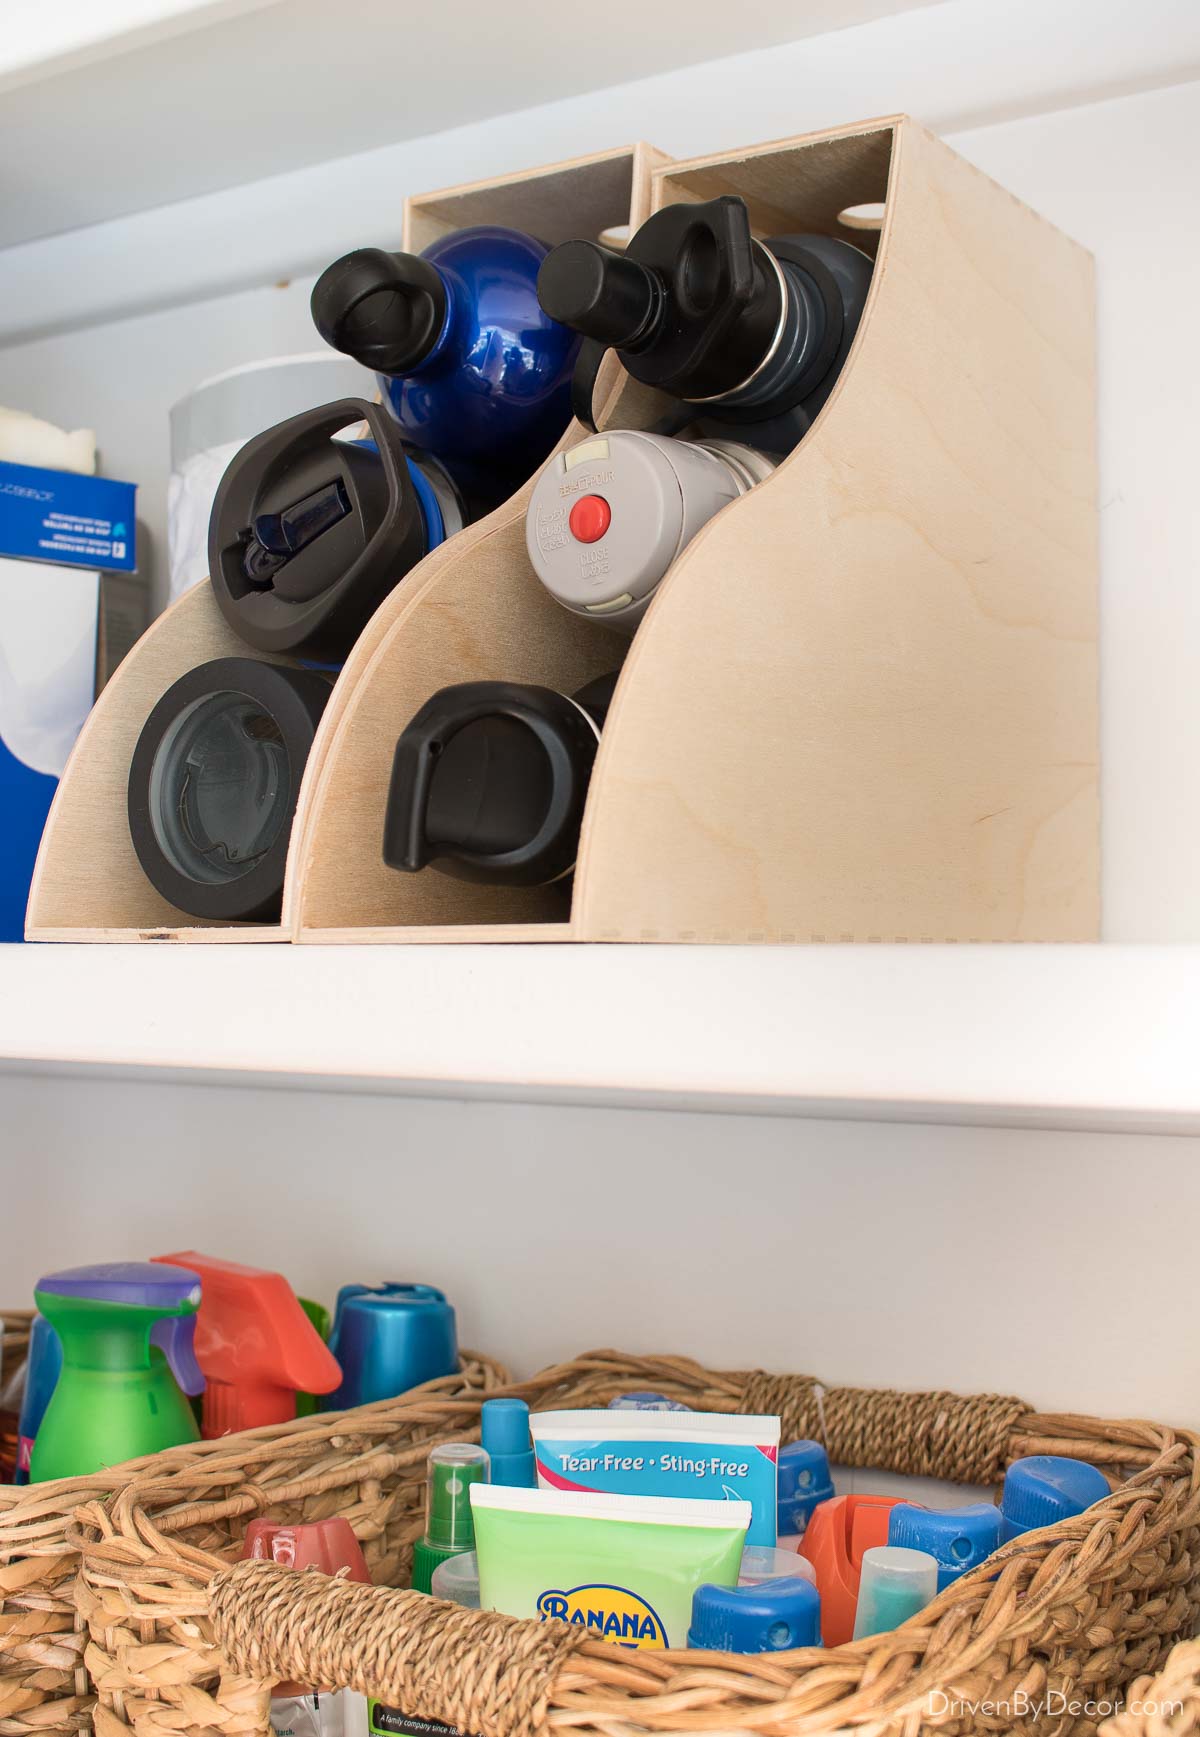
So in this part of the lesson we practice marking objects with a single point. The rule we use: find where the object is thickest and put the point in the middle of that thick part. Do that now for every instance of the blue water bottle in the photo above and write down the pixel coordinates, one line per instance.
(389, 1338)
(471, 367)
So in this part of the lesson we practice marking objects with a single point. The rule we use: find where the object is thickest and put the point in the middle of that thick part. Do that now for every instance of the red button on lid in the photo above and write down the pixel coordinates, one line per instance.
(589, 518)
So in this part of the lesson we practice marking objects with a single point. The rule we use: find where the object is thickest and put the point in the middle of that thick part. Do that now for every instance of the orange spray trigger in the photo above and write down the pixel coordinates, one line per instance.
(256, 1346)
(839, 1533)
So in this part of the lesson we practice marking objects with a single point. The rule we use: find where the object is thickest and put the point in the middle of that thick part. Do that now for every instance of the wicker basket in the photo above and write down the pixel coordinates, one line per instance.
(1164, 1706)
(45, 1685)
(185, 1645)
(41, 1649)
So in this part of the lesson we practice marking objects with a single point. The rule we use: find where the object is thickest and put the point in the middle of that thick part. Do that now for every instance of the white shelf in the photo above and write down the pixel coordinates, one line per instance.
(1082, 1037)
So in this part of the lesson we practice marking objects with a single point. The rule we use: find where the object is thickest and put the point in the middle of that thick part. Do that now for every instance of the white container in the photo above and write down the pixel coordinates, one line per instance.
(219, 417)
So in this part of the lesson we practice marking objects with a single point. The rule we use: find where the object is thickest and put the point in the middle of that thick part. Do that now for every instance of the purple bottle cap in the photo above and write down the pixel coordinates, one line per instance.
(143, 1284)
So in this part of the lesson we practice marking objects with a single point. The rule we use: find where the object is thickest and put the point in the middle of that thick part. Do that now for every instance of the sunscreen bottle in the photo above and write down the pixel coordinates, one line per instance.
(839, 1534)
(1046, 1487)
(504, 1435)
(804, 1483)
(453, 1469)
(772, 1616)
(957, 1538)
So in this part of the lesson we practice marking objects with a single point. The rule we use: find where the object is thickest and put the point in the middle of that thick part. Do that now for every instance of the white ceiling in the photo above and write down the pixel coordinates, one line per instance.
(117, 106)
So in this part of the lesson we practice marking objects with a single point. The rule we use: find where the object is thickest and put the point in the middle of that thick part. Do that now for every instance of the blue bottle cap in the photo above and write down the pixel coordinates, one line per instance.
(144, 1284)
(1044, 1488)
(387, 1339)
(767, 1618)
(504, 1434)
(956, 1538)
(804, 1481)
(645, 1402)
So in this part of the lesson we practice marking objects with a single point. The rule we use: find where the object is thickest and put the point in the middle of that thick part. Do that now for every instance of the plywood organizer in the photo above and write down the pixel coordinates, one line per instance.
(88, 884)
(863, 705)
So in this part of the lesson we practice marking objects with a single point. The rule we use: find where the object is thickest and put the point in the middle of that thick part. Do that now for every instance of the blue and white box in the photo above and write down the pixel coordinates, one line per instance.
(56, 515)
(57, 530)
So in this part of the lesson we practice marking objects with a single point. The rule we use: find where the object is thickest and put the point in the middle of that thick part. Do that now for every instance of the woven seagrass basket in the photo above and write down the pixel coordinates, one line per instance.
(1167, 1705)
(185, 1641)
(45, 1682)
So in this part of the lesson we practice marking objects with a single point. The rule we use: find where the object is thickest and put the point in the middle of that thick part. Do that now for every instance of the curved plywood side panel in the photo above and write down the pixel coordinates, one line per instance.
(472, 610)
(478, 613)
(864, 704)
(88, 884)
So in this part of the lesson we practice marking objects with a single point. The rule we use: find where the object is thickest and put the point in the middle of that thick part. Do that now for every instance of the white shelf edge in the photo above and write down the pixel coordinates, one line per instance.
(1088, 1038)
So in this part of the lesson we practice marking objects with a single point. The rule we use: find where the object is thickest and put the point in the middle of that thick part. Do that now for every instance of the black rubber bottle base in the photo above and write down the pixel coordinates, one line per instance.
(213, 784)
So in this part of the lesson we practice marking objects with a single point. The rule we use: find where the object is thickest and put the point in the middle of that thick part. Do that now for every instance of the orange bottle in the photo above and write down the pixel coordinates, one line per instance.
(255, 1345)
(838, 1534)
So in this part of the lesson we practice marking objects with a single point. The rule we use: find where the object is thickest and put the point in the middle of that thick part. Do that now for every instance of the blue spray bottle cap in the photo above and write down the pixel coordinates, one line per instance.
(1044, 1488)
(389, 1338)
(956, 1538)
(504, 1427)
(770, 1617)
(43, 1367)
(145, 1285)
(804, 1481)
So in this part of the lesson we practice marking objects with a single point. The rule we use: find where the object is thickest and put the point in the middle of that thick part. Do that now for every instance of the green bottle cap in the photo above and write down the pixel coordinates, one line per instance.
(322, 1320)
(449, 1527)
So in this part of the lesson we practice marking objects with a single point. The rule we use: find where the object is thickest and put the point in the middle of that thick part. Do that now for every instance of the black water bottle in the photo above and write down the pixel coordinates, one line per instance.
(489, 782)
(310, 531)
(751, 334)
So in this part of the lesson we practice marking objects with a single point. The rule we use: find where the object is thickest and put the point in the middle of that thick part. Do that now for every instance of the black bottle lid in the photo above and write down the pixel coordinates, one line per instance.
(308, 534)
(384, 309)
(489, 782)
(693, 305)
(213, 783)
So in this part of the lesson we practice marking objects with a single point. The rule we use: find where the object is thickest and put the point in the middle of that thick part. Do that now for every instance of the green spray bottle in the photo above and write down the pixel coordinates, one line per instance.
(128, 1362)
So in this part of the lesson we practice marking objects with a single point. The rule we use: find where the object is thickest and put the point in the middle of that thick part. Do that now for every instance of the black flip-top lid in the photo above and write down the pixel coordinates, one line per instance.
(384, 309)
(308, 534)
(693, 304)
(489, 782)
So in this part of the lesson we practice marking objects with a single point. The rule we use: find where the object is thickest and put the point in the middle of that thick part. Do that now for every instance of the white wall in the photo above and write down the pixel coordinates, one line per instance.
(1046, 1265)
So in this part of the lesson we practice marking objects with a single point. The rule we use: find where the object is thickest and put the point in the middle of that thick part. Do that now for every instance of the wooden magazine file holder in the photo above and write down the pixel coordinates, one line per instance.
(863, 706)
(87, 883)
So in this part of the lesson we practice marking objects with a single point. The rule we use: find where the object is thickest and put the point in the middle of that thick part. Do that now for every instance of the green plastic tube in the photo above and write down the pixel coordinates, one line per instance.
(623, 1567)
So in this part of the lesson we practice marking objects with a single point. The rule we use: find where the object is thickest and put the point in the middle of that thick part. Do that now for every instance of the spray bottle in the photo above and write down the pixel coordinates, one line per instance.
(256, 1346)
(127, 1331)
(452, 1470)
